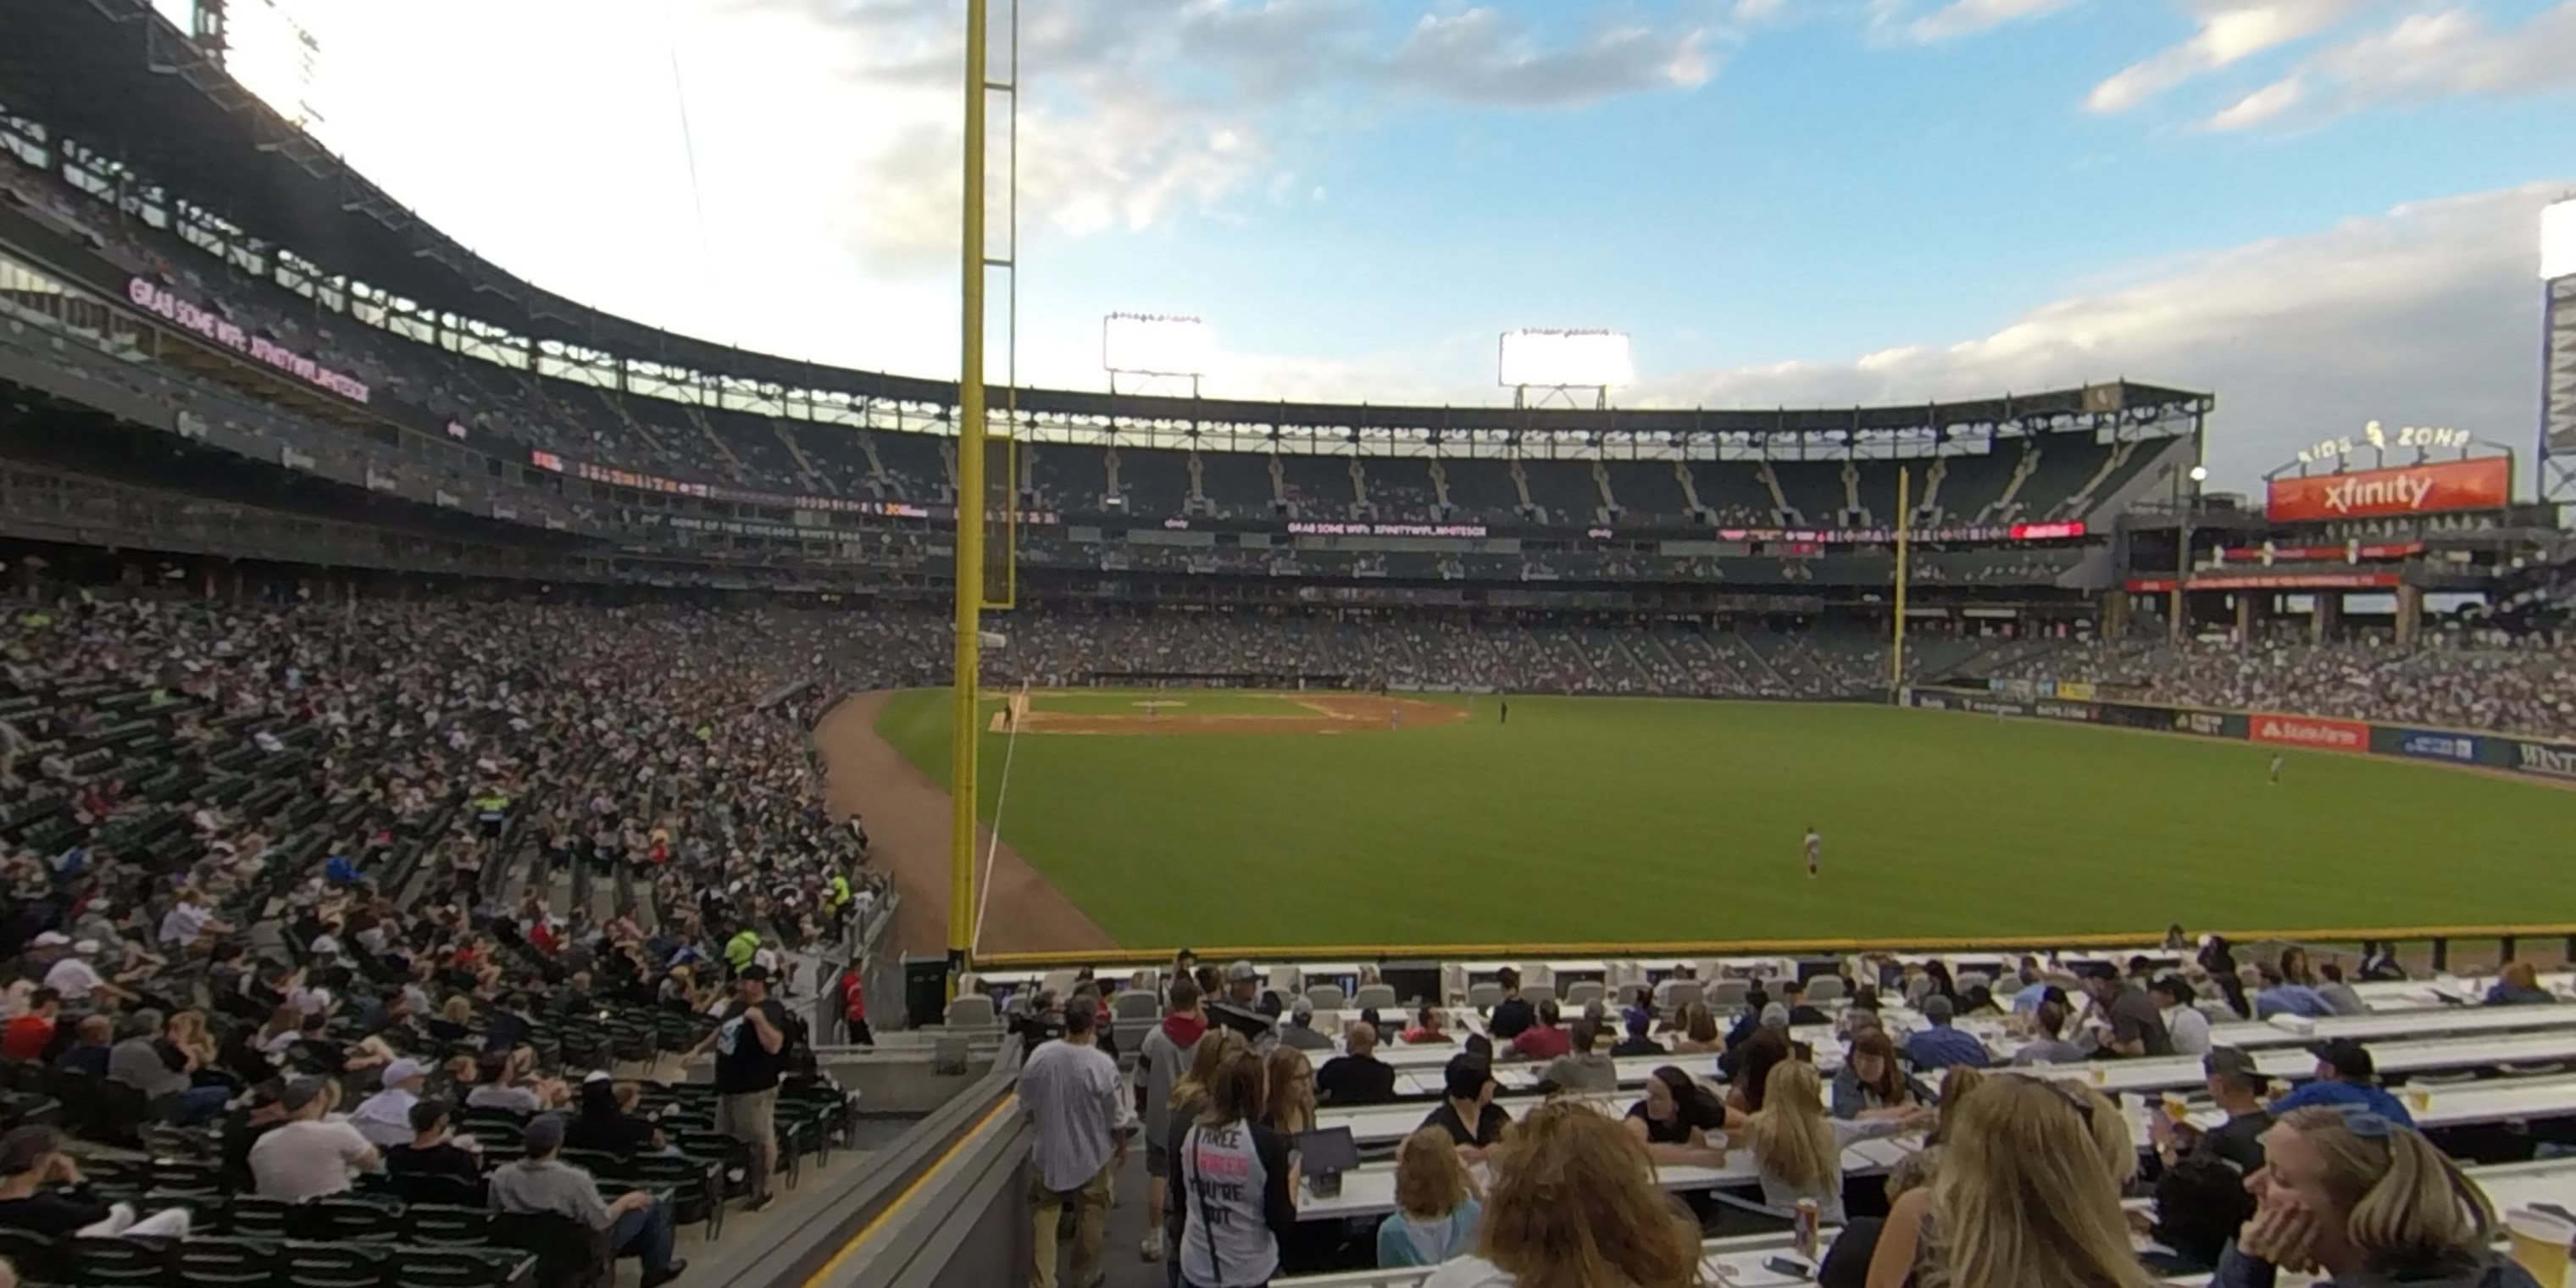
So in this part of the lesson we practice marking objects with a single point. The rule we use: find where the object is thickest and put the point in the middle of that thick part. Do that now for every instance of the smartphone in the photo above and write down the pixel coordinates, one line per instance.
(1789, 1266)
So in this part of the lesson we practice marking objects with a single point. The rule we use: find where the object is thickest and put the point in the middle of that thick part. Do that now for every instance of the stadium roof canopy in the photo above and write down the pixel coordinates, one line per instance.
(119, 80)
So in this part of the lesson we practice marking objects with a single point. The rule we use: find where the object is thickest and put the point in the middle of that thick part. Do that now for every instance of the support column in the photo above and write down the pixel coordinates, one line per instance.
(2115, 614)
(2325, 619)
(2410, 614)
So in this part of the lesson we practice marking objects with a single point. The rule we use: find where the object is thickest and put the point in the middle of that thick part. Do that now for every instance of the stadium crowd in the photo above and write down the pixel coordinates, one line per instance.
(2503, 683)
(2023, 1176)
(352, 897)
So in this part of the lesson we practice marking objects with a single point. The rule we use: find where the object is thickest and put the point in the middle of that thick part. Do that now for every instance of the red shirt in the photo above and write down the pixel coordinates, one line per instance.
(854, 1000)
(1542, 1042)
(25, 1038)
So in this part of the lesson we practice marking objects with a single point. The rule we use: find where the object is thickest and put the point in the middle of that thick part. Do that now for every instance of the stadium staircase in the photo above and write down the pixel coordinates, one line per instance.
(1360, 505)
(1609, 499)
(1690, 489)
(2002, 508)
(1278, 485)
(1851, 494)
(1928, 505)
(724, 450)
(1110, 480)
(1440, 486)
(1520, 487)
(2077, 501)
(1779, 500)
(804, 465)
(879, 481)
(1759, 666)
(1197, 501)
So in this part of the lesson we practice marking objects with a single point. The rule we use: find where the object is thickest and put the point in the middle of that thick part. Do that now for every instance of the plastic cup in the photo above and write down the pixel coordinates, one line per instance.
(2177, 1109)
(2419, 1099)
(2098, 1074)
(2539, 1243)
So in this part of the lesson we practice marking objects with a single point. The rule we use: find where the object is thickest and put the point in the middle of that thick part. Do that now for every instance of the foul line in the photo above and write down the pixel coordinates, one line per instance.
(1018, 707)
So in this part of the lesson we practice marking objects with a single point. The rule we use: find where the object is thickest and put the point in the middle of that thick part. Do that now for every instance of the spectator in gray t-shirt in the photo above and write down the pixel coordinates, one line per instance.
(541, 1184)
(2045, 1046)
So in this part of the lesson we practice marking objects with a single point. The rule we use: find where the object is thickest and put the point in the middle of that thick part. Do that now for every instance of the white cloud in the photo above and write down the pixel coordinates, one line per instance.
(2230, 31)
(1966, 17)
(2455, 52)
(2423, 315)
(2262, 105)
(1485, 56)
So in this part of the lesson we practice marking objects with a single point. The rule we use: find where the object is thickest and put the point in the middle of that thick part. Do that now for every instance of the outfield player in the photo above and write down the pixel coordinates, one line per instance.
(2277, 761)
(1815, 850)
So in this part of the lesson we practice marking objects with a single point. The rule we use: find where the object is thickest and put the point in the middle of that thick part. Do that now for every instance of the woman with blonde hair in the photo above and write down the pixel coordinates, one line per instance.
(2518, 984)
(2023, 1199)
(1574, 1204)
(1436, 1211)
(2359, 1199)
(1798, 1147)
(1289, 1108)
(1956, 1083)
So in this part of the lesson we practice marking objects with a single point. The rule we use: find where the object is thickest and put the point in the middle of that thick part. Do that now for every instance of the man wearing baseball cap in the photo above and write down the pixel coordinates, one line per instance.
(71, 973)
(1240, 1011)
(385, 1117)
(751, 1051)
(2345, 1076)
(543, 1185)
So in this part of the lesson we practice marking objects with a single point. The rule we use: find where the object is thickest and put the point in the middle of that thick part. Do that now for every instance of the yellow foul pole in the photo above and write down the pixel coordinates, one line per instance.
(970, 518)
(1904, 525)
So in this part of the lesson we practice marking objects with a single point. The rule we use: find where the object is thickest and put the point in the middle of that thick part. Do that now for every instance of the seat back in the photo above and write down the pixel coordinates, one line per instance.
(971, 1012)
(569, 1254)
(446, 1224)
(1583, 992)
(1381, 996)
(1324, 997)
(1484, 996)
(1537, 993)
(1825, 988)
(1674, 994)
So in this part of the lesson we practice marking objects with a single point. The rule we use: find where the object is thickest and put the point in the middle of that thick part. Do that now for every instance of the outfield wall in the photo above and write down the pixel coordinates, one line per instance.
(2074, 704)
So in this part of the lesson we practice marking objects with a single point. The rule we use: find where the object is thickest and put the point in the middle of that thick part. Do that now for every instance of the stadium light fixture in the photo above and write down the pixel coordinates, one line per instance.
(2558, 240)
(2200, 474)
(1550, 358)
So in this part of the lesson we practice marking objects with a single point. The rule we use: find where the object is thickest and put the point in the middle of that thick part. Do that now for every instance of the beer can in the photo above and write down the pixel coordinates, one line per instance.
(1808, 1215)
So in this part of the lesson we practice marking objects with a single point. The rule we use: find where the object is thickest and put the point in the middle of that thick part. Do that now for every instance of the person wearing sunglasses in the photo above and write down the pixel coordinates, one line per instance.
(2356, 1198)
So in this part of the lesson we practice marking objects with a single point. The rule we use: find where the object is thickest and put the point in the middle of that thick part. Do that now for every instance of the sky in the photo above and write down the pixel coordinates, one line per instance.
(2323, 211)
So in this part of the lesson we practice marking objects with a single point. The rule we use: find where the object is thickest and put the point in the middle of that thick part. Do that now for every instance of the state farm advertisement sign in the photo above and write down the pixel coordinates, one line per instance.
(2309, 731)
(2482, 484)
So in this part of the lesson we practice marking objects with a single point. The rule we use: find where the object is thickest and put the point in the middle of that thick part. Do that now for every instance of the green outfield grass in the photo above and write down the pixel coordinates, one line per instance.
(1195, 702)
(1622, 819)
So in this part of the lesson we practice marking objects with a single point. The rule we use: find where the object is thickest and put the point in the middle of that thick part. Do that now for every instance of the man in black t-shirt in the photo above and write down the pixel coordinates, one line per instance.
(1511, 1015)
(432, 1153)
(1358, 1078)
(751, 1049)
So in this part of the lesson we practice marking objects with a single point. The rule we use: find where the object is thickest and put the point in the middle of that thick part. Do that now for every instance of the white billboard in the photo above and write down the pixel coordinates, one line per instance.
(1154, 344)
(2558, 241)
(1575, 359)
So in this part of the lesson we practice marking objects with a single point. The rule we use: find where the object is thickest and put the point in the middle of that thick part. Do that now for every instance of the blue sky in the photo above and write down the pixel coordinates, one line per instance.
(2324, 210)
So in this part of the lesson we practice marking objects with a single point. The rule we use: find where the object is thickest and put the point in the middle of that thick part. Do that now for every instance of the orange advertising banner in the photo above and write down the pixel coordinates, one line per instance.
(2482, 484)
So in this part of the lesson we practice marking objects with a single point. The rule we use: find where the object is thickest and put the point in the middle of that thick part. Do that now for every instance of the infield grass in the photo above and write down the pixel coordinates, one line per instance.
(1651, 819)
